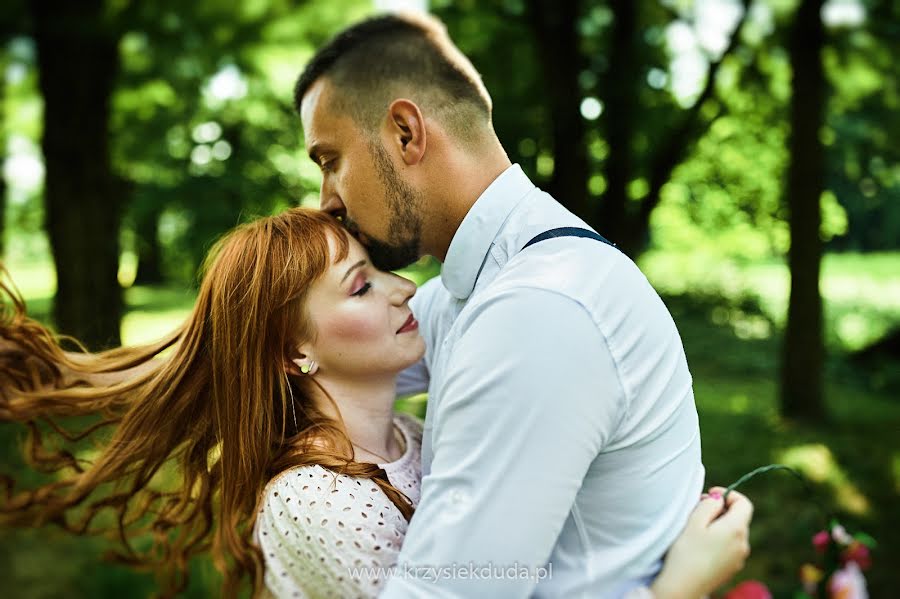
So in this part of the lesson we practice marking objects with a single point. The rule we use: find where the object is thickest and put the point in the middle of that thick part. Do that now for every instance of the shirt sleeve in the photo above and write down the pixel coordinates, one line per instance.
(327, 535)
(413, 379)
(532, 395)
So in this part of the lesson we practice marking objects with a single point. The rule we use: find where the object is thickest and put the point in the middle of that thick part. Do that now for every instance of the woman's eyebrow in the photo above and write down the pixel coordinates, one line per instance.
(352, 268)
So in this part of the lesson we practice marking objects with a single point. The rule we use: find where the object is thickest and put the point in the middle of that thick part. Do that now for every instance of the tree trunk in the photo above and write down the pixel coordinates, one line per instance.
(78, 61)
(621, 99)
(149, 252)
(2, 208)
(3, 157)
(555, 27)
(803, 351)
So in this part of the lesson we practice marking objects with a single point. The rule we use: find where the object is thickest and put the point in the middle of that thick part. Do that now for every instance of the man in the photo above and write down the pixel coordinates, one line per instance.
(561, 431)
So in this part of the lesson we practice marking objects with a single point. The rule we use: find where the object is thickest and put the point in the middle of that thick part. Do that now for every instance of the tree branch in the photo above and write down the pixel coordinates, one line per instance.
(683, 137)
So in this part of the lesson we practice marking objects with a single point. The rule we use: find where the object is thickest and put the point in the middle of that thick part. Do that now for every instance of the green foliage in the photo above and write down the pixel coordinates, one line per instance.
(861, 293)
(204, 134)
(863, 153)
(204, 127)
(727, 193)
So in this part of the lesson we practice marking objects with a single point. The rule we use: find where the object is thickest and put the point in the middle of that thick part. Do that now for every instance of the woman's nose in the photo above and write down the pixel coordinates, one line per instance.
(402, 289)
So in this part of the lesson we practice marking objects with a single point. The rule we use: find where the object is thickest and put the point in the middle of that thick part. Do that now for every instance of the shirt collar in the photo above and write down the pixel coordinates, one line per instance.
(481, 225)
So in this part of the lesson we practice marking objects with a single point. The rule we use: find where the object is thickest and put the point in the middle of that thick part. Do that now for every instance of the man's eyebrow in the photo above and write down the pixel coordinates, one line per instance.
(352, 268)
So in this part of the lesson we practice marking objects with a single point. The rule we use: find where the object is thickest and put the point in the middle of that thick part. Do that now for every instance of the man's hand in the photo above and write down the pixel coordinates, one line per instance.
(711, 549)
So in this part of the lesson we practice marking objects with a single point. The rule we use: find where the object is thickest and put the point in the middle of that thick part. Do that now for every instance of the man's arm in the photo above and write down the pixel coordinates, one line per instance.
(531, 397)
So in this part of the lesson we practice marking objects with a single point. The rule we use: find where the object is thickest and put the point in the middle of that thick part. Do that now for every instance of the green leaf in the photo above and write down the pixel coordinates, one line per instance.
(866, 540)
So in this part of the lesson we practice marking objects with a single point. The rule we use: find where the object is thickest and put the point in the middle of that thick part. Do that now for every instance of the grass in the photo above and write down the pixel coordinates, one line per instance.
(853, 460)
(861, 291)
(729, 316)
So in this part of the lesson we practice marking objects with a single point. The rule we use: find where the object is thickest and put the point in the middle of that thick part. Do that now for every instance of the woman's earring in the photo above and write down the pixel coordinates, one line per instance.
(307, 368)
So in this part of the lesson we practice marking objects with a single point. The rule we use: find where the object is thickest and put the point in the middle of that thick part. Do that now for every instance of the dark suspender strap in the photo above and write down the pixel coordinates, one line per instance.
(569, 232)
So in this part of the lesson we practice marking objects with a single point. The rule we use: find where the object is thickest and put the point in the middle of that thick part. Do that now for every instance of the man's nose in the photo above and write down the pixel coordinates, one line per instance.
(330, 202)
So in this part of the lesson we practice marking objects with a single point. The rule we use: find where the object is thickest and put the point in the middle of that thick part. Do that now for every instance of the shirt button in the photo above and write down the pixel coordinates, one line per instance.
(457, 497)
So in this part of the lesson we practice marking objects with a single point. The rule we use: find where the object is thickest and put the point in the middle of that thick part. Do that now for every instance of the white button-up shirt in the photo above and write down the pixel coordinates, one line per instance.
(561, 431)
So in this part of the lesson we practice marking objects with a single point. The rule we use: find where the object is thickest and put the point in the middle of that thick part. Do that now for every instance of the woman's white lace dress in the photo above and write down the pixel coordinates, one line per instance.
(329, 535)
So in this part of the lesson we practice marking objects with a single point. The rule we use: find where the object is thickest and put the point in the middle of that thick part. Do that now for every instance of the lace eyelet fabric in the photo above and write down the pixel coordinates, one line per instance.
(324, 534)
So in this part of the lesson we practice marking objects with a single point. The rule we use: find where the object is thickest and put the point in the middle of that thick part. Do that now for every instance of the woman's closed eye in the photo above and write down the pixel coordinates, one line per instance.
(362, 290)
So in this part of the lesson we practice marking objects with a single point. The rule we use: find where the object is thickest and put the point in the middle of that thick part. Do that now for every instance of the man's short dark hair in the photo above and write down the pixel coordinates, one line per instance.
(400, 55)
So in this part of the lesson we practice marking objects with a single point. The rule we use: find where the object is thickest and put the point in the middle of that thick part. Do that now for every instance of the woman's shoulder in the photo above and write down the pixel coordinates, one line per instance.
(305, 492)
(302, 478)
(305, 486)
(315, 524)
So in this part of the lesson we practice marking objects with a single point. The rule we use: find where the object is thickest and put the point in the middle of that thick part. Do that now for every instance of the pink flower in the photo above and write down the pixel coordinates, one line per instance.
(848, 583)
(749, 589)
(858, 553)
(820, 541)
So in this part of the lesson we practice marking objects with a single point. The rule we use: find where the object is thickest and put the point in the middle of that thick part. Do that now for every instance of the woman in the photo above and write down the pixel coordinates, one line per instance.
(262, 429)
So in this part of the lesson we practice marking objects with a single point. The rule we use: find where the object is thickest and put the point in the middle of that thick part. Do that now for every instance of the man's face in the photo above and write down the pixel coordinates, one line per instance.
(360, 183)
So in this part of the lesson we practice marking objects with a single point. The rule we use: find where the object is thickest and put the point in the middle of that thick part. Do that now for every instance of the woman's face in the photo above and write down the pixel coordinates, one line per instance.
(361, 318)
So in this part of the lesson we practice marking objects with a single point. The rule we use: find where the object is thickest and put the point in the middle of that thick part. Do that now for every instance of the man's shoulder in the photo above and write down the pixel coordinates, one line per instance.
(584, 270)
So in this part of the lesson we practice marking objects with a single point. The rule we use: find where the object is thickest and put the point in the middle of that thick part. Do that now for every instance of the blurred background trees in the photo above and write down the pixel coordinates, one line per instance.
(77, 65)
(742, 151)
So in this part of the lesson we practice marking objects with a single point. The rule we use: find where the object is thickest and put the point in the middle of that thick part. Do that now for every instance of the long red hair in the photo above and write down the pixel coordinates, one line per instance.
(199, 421)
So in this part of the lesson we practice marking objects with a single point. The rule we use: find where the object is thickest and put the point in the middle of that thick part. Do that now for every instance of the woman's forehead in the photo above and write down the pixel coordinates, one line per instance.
(342, 260)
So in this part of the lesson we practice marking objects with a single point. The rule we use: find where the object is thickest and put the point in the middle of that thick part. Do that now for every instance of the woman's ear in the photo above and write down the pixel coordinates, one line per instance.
(297, 362)
(406, 130)
(291, 368)
(301, 367)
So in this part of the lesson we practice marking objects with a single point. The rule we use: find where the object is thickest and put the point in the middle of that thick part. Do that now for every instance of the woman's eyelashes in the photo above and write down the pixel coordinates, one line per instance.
(362, 290)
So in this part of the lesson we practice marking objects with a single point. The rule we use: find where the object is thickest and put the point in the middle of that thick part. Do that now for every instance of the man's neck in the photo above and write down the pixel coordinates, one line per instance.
(463, 182)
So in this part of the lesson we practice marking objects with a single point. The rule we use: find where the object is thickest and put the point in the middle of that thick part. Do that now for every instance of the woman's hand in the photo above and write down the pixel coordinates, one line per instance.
(710, 550)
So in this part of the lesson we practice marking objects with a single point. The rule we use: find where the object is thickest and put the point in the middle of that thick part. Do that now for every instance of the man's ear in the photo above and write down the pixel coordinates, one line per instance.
(406, 130)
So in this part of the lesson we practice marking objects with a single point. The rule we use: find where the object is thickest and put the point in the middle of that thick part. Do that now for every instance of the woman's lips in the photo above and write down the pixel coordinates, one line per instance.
(411, 324)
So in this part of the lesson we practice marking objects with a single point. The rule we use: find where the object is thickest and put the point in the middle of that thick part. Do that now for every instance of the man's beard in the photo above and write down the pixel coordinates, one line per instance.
(405, 223)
